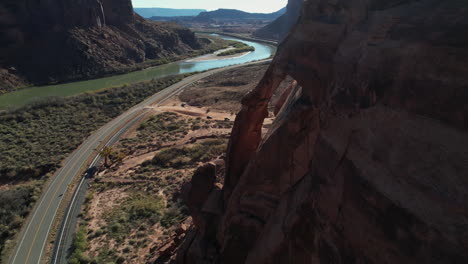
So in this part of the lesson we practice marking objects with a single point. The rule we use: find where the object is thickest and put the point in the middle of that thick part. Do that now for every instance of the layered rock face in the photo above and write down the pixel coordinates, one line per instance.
(366, 161)
(47, 41)
(280, 27)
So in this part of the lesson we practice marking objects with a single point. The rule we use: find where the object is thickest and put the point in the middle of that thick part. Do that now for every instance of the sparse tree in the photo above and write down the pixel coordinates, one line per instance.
(106, 152)
(119, 157)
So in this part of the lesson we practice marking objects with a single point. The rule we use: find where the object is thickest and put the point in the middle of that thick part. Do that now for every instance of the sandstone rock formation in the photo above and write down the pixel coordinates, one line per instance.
(278, 29)
(48, 41)
(367, 160)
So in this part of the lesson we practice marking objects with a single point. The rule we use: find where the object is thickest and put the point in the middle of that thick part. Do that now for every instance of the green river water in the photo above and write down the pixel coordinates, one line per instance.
(31, 94)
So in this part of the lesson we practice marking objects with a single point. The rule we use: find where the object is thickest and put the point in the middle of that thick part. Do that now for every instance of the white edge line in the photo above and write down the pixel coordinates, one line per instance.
(35, 211)
(120, 117)
(76, 194)
(69, 209)
(68, 214)
(43, 199)
(66, 219)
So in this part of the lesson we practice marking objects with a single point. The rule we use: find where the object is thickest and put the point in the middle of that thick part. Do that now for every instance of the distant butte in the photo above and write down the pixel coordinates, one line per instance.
(56, 41)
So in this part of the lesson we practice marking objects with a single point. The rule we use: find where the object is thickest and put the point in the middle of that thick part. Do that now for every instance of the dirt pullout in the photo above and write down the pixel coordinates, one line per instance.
(224, 91)
(136, 211)
(134, 208)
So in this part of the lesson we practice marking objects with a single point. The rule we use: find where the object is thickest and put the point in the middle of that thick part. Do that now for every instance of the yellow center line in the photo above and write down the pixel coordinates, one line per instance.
(150, 102)
(55, 193)
(48, 207)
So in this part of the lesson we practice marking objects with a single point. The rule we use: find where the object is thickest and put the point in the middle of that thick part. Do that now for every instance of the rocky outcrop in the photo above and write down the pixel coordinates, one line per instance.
(278, 29)
(54, 41)
(204, 200)
(118, 12)
(366, 161)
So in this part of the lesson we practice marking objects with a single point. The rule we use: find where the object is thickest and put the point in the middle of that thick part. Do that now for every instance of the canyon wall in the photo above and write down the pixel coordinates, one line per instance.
(54, 41)
(367, 159)
(279, 28)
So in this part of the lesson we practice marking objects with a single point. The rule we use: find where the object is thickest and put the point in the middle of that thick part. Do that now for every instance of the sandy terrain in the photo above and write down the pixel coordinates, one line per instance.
(214, 56)
(224, 91)
(119, 182)
(205, 111)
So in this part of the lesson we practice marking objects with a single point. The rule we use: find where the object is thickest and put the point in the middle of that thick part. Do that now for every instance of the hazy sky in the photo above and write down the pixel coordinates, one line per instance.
(261, 6)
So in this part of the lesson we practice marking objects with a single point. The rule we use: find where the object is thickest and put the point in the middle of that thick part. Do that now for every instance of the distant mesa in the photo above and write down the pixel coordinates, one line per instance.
(238, 14)
(222, 15)
(167, 12)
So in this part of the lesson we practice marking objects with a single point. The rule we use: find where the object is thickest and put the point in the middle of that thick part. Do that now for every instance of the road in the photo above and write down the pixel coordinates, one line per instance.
(33, 237)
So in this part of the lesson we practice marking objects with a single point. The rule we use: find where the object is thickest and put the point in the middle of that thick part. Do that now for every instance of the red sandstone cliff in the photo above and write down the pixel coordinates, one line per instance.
(281, 26)
(52, 40)
(367, 160)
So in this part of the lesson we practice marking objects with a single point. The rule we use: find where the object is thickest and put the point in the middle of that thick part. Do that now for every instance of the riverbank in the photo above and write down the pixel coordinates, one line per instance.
(86, 151)
(215, 56)
(36, 94)
(215, 44)
(237, 50)
(168, 127)
(243, 37)
(34, 142)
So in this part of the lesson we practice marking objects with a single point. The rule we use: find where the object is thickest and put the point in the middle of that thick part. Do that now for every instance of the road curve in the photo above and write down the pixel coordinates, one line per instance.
(33, 236)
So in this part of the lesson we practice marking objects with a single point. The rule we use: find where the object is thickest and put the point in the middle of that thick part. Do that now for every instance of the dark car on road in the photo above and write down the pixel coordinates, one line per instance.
(90, 172)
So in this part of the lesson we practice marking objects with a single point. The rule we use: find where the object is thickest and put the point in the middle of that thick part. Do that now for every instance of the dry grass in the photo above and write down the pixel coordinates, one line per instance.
(224, 91)
(136, 205)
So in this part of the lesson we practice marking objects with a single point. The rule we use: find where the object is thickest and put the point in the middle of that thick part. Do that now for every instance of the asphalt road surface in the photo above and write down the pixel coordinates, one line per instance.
(32, 239)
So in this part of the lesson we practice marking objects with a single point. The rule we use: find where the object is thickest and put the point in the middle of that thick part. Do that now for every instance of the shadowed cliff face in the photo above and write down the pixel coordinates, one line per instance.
(279, 28)
(118, 12)
(47, 41)
(366, 161)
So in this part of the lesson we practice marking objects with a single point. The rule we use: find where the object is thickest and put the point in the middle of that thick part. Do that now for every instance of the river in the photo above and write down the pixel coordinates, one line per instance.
(31, 94)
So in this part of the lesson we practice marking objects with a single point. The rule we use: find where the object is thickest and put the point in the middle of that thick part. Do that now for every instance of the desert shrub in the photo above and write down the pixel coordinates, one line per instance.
(169, 157)
(172, 216)
(238, 48)
(36, 138)
(179, 157)
(79, 246)
(233, 83)
(140, 208)
(15, 203)
(165, 127)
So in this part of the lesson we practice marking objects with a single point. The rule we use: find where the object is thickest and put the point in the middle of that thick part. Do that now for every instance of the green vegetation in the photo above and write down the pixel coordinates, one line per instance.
(215, 44)
(111, 156)
(79, 247)
(130, 222)
(15, 203)
(33, 94)
(35, 139)
(180, 157)
(153, 204)
(140, 209)
(142, 72)
(239, 47)
(164, 127)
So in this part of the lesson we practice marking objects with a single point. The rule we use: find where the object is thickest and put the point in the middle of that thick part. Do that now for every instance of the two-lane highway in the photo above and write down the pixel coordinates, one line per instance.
(34, 235)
